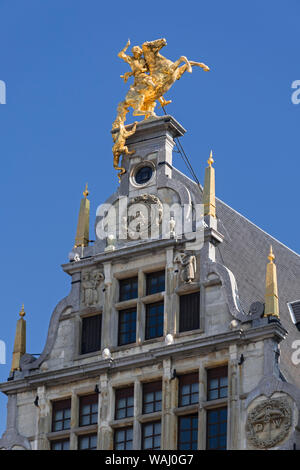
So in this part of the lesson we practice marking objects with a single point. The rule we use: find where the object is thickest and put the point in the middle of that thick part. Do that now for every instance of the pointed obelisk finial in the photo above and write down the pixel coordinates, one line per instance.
(271, 295)
(86, 191)
(210, 161)
(209, 196)
(20, 341)
(83, 226)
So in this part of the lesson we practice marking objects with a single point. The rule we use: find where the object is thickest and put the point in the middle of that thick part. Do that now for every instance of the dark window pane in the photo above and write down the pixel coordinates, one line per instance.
(127, 326)
(188, 432)
(189, 313)
(152, 397)
(123, 439)
(154, 320)
(155, 282)
(87, 442)
(151, 433)
(91, 334)
(217, 383)
(143, 175)
(188, 389)
(128, 288)
(61, 411)
(216, 429)
(60, 445)
(124, 403)
(88, 410)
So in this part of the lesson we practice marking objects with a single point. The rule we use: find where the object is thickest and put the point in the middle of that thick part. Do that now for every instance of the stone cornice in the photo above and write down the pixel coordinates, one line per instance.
(122, 253)
(190, 347)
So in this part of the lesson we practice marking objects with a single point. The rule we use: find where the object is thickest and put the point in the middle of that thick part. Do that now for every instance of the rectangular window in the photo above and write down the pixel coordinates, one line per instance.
(61, 415)
(189, 313)
(88, 410)
(217, 383)
(91, 334)
(155, 282)
(217, 429)
(152, 397)
(188, 389)
(60, 445)
(127, 326)
(124, 403)
(154, 320)
(123, 439)
(128, 289)
(151, 433)
(188, 432)
(87, 442)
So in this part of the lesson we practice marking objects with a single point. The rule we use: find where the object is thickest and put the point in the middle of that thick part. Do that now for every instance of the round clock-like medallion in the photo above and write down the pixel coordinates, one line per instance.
(144, 174)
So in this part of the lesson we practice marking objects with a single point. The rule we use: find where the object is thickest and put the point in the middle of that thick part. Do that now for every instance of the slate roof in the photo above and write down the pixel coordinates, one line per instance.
(244, 251)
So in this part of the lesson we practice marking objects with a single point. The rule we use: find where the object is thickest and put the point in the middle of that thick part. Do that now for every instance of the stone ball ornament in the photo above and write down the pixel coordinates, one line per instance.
(169, 339)
(106, 354)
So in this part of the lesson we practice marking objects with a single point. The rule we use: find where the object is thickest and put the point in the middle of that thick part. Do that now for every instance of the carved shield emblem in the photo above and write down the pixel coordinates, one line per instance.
(269, 423)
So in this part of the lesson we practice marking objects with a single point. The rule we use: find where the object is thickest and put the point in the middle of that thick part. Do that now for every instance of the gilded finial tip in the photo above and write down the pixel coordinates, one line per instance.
(86, 191)
(22, 311)
(271, 256)
(210, 161)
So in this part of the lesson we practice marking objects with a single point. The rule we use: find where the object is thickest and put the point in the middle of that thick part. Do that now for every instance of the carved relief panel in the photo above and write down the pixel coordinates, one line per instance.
(187, 266)
(269, 423)
(91, 288)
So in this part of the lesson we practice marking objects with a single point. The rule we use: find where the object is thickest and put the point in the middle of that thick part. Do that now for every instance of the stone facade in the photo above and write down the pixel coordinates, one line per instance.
(263, 394)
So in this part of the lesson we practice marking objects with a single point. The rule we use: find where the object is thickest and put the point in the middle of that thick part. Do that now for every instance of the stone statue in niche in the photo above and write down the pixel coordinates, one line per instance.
(188, 266)
(91, 280)
(172, 224)
(269, 423)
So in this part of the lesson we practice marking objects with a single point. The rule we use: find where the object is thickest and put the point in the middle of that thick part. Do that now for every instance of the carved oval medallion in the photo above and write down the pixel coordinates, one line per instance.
(269, 423)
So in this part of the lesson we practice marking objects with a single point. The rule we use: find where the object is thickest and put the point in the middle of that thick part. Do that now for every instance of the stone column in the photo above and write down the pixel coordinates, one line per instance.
(108, 323)
(137, 434)
(168, 418)
(201, 409)
(43, 420)
(140, 309)
(106, 404)
(270, 365)
(233, 414)
(170, 324)
(74, 419)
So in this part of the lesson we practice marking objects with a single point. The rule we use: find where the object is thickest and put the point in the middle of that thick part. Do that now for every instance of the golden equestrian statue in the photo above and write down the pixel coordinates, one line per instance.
(153, 77)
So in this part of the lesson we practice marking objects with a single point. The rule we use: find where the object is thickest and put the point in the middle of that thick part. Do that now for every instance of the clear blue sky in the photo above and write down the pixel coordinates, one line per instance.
(59, 61)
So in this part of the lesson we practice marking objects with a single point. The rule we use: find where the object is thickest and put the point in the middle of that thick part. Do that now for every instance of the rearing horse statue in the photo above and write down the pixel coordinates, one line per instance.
(163, 71)
(151, 86)
(153, 77)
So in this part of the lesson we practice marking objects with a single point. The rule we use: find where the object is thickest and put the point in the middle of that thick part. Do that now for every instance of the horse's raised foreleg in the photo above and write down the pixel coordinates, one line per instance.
(200, 64)
(181, 59)
(180, 71)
